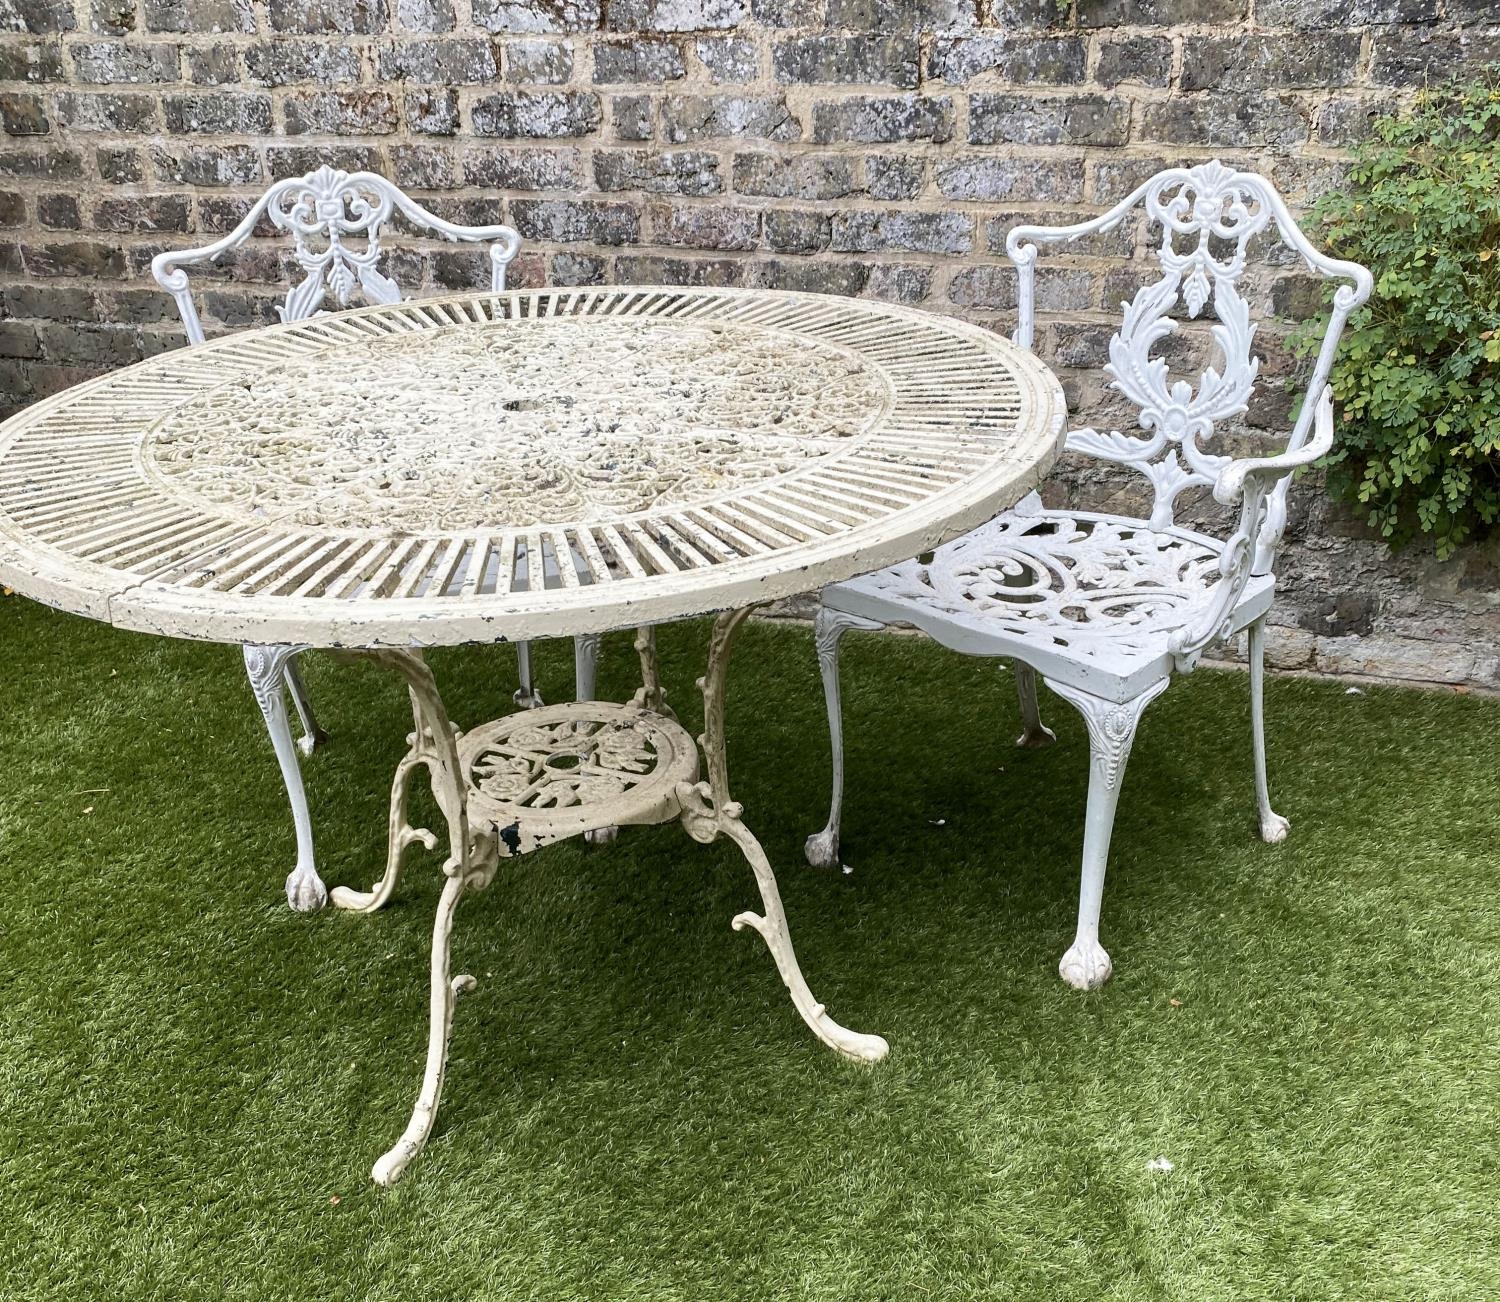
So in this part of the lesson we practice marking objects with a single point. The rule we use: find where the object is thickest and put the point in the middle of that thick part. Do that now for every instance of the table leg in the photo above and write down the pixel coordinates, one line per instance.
(473, 857)
(267, 669)
(708, 812)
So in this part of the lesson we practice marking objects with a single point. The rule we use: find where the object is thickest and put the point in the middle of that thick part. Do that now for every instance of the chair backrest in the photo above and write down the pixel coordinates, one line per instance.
(1206, 216)
(322, 211)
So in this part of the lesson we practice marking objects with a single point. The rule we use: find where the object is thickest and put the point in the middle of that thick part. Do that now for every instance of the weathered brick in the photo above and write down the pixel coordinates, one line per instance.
(1348, 119)
(80, 258)
(1114, 178)
(290, 63)
(1145, 60)
(427, 16)
(59, 212)
(341, 112)
(578, 269)
(899, 282)
(1026, 60)
(1116, 244)
(536, 114)
(883, 119)
(993, 287)
(129, 215)
(1048, 120)
(441, 63)
(328, 17)
(574, 221)
(101, 346)
(703, 226)
(643, 59)
(41, 164)
(200, 16)
(108, 62)
(674, 15)
(424, 167)
(728, 59)
(810, 275)
(913, 232)
(37, 16)
(795, 176)
(1164, 13)
(83, 111)
(49, 302)
(213, 65)
(989, 179)
(112, 17)
(119, 166)
(138, 306)
(652, 269)
(1266, 121)
(31, 61)
(431, 112)
(705, 117)
(633, 117)
(1407, 59)
(223, 112)
(797, 230)
(907, 15)
(207, 165)
(539, 62)
(787, 13)
(1256, 62)
(826, 60)
(530, 16)
(19, 339)
(670, 172)
(300, 160)
(12, 208)
(24, 115)
(893, 176)
(1321, 15)
(523, 169)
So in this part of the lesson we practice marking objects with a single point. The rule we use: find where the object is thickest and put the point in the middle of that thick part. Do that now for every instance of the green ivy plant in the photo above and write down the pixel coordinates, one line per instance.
(1417, 380)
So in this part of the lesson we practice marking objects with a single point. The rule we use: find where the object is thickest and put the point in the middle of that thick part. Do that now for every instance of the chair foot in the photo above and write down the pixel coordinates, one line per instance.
(305, 891)
(1273, 828)
(527, 699)
(822, 849)
(309, 742)
(1037, 737)
(1085, 966)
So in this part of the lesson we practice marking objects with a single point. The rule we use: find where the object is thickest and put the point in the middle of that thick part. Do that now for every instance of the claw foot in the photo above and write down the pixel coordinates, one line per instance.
(1273, 828)
(1085, 966)
(822, 849)
(308, 742)
(1036, 738)
(305, 891)
(602, 835)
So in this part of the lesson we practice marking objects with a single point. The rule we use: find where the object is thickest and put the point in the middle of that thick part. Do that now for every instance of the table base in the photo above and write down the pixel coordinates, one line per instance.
(511, 786)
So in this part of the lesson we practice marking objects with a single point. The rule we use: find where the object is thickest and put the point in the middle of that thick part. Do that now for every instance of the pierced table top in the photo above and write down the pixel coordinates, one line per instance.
(517, 465)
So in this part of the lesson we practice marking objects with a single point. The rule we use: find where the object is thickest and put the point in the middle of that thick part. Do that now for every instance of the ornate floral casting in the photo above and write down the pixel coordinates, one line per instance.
(570, 762)
(540, 421)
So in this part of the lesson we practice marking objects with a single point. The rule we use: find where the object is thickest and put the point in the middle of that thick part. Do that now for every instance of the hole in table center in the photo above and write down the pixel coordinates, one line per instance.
(564, 762)
(547, 402)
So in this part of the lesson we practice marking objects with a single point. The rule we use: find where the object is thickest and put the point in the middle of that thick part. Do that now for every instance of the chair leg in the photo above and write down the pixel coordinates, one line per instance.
(822, 848)
(1273, 827)
(526, 696)
(312, 735)
(266, 667)
(1086, 965)
(1034, 733)
(585, 666)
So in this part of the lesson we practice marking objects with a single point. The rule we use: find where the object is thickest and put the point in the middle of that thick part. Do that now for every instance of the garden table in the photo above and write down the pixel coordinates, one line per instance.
(504, 466)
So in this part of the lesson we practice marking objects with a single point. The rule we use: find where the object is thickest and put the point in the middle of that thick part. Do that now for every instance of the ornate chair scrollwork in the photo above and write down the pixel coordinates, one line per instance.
(336, 222)
(1106, 608)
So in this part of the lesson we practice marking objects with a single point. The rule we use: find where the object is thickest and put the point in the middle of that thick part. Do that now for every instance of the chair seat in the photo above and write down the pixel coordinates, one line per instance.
(1084, 598)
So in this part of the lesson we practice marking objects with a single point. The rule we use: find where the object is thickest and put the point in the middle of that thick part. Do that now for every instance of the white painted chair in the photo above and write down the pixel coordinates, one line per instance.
(323, 212)
(1106, 608)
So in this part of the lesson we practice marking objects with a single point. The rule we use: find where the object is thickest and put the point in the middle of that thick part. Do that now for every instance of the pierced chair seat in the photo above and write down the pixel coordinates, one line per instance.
(1084, 598)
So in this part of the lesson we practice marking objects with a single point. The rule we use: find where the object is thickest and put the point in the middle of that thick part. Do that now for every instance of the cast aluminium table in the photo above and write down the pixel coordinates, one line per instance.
(534, 464)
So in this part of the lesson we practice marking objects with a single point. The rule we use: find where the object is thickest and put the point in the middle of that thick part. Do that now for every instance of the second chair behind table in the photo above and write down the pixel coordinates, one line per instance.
(1106, 607)
(321, 212)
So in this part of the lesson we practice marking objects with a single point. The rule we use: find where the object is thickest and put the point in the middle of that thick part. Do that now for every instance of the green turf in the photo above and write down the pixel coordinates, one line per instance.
(195, 1080)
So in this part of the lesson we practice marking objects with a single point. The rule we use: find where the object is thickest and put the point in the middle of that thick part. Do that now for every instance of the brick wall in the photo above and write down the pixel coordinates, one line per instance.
(875, 147)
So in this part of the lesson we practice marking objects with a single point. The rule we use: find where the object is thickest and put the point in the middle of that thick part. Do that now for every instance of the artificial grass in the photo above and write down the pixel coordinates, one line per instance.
(195, 1080)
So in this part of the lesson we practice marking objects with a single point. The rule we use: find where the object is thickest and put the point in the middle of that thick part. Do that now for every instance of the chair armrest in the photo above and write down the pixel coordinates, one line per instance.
(1250, 481)
(1229, 488)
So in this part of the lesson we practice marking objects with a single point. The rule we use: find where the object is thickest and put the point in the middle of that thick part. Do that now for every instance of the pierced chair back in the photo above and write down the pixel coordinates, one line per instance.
(1204, 218)
(336, 220)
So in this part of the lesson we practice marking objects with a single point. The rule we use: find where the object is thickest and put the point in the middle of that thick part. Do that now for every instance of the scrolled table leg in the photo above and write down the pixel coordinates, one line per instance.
(708, 812)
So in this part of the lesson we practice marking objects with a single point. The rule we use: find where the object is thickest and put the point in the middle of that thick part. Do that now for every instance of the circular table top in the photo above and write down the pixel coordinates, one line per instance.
(503, 466)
